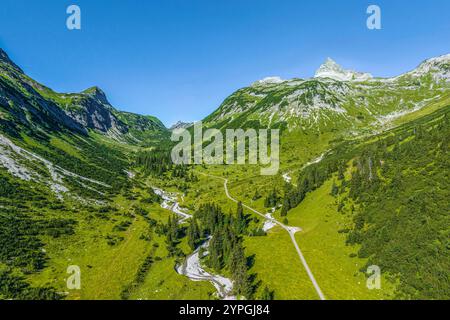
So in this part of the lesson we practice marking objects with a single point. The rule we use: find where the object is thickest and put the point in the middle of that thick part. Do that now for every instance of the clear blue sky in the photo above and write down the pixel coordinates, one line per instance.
(180, 59)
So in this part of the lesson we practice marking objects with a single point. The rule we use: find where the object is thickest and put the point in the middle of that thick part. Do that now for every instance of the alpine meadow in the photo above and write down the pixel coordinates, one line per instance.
(94, 207)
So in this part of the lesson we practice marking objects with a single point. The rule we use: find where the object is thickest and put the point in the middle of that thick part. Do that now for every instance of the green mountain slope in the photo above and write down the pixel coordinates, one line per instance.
(392, 191)
(367, 158)
(64, 161)
(327, 104)
(27, 102)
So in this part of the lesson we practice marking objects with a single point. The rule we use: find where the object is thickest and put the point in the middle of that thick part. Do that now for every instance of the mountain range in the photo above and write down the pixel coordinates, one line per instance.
(334, 99)
(34, 106)
(364, 173)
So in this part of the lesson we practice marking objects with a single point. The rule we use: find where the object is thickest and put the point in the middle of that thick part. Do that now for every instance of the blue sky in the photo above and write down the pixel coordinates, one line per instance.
(179, 59)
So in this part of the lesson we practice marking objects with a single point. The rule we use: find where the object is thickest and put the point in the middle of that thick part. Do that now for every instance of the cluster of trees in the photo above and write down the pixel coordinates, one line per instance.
(273, 199)
(400, 202)
(13, 193)
(152, 197)
(20, 244)
(155, 162)
(159, 162)
(16, 288)
(225, 249)
(139, 278)
(311, 178)
(183, 172)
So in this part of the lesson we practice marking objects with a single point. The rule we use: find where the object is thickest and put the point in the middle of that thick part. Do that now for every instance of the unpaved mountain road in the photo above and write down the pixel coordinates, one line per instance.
(291, 230)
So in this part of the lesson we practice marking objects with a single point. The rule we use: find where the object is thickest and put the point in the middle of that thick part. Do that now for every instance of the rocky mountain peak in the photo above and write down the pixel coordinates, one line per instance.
(330, 69)
(181, 125)
(96, 93)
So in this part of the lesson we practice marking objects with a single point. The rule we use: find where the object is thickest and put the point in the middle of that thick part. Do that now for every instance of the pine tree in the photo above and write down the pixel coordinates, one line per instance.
(334, 189)
(267, 294)
(256, 196)
(240, 222)
(238, 265)
(215, 252)
(193, 234)
(285, 208)
(172, 234)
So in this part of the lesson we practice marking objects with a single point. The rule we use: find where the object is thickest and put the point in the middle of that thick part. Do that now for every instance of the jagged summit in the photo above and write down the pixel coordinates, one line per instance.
(181, 125)
(330, 69)
(78, 112)
(96, 93)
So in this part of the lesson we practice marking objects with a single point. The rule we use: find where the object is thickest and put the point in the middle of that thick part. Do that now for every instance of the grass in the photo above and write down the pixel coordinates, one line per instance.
(66, 147)
(162, 282)
(277, 265)
(324, 248)
(106, 269)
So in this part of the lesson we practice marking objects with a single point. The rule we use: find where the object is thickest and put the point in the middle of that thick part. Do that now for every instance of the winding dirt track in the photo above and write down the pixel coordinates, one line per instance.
(290, 230)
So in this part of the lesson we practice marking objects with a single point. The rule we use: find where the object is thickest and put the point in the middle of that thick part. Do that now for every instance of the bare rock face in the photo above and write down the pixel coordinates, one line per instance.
(21, 99)
(93, 111)
(25, 102)
(181, 125)
(332, 70)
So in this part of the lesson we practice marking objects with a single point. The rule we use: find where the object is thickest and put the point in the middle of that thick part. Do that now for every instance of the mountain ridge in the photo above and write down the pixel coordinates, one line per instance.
(79, 112)
(325, 102)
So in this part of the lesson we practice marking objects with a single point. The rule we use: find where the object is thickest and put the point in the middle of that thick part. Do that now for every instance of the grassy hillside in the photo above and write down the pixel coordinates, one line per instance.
(391, 201)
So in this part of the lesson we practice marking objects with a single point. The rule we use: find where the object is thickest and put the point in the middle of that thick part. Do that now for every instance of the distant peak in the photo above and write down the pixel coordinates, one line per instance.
(330, 69)
(330, 62)
(270, 80)
(4, 59)
(96, 93)
(181, 125)
(438, 67)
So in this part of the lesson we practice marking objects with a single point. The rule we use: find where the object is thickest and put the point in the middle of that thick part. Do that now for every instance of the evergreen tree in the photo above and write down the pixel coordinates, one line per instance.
(334, 189)
(240, 222)
(238, 266)
(267, 294)
(193, 234)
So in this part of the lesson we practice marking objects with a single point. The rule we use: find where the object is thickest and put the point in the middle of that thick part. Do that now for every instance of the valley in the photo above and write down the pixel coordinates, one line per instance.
(363, 181)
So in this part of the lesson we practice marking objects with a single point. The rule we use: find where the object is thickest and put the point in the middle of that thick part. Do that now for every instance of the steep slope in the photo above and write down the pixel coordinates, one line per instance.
(60, 175)
(35, 105)
(392, 192)
(67, 143)
(21, 104)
